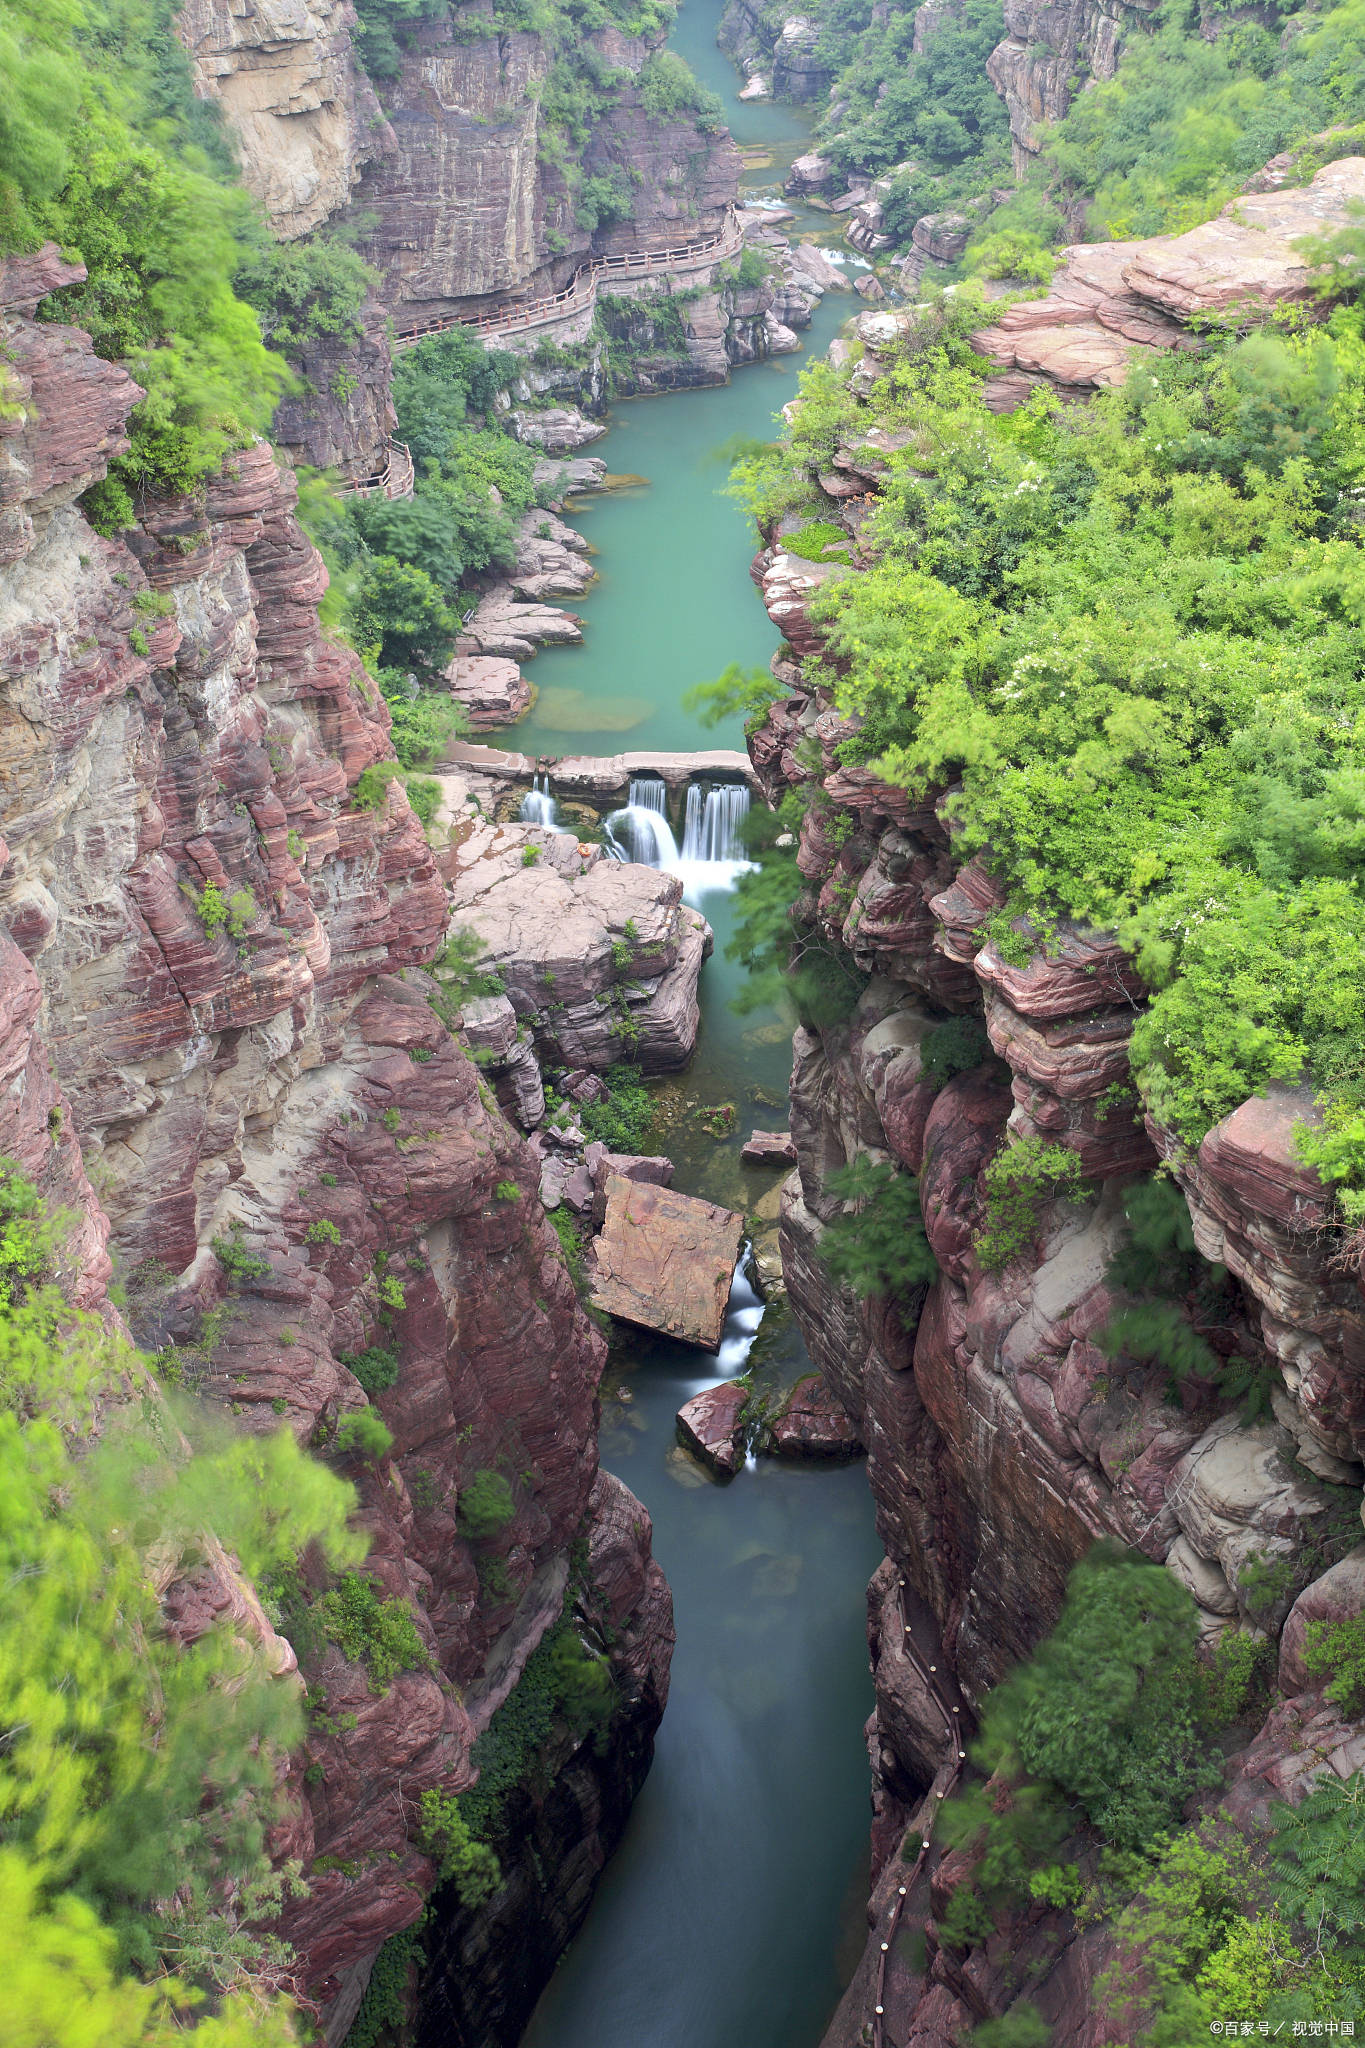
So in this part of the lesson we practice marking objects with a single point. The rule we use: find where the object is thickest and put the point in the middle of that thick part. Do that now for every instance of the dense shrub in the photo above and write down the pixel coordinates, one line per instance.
(371, 1629)
(668, 88)
(138, 1777)
(305, 292)
(877, 1244)
(486, 1504)
(1019, 1183)
(624, 1118)
(1122, 629)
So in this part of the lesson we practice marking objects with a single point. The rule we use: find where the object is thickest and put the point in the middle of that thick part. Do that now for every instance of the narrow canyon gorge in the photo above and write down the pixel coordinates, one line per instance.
(651, 1192)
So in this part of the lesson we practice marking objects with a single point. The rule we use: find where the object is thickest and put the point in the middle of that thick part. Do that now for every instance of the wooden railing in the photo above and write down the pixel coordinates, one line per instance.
(395, 480)
(582, 289)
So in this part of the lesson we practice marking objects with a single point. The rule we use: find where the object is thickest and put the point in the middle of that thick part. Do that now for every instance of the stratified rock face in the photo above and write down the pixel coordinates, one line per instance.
(340, 416)
(487, 1968)
(666, 1260)
(1111, 300)
(1047, 47)
(466, 206)
(202, 981)
(785, 48)
(600, 957)
(303, 112)
(1005, 1431)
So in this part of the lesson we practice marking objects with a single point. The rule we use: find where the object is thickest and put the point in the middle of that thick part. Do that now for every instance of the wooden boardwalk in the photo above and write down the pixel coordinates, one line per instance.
(582, 289)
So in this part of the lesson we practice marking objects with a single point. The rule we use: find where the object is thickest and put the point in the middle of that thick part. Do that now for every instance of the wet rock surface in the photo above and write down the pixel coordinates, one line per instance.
(811, 1423)
(709, 1425)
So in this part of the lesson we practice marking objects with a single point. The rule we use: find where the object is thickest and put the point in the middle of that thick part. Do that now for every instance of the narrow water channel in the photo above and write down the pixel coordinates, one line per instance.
(719, 1922)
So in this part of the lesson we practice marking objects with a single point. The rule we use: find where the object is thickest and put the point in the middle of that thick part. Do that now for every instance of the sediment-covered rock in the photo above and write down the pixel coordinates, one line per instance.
(666, 1260)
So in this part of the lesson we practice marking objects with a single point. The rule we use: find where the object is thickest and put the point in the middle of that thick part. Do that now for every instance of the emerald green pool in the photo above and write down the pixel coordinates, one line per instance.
(719, 1923)
(674, 604)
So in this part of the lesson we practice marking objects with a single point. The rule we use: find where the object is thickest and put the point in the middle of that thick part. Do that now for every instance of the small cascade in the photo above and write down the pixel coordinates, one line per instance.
(647, 793)
(538, 807)
(743, 1314)
(713, 845)
(711, 830)
(641, 832)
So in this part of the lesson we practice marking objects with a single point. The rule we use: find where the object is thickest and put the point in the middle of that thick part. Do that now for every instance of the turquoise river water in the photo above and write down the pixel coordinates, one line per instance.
(719, 1923)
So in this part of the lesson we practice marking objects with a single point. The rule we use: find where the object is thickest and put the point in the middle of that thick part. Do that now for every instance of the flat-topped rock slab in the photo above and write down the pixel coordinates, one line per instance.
(666, 1260)
(602, 774)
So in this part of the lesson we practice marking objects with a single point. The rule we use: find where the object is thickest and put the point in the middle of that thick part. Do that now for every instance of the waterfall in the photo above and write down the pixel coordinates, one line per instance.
(538, 807)
(712, 852)
(647, 793)
(714, 817)
(743, 1314)
(641, 831)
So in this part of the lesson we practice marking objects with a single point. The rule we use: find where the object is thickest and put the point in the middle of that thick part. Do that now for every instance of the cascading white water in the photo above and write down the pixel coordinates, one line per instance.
(712, 852)
(648, 793)
(743, 1314)
(538, 807)
(711, 829)
(641, 832)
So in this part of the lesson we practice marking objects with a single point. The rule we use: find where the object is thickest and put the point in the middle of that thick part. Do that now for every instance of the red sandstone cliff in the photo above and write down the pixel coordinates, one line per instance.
(1003, 1441)
(174, 723)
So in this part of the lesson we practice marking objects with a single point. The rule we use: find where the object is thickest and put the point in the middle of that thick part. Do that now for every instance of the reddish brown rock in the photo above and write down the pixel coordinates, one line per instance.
(491, 688)
(709, 1425)
(768, 1148)
(666, 1260)
(811, 1423)
(253, 1061)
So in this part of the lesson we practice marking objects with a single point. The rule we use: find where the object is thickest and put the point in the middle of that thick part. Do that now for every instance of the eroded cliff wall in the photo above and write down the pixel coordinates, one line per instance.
(212, 995)
(1003, 1439)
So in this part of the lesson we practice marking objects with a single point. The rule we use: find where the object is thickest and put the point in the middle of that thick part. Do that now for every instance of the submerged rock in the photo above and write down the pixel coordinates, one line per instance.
(666, 1261)
(769, 1148)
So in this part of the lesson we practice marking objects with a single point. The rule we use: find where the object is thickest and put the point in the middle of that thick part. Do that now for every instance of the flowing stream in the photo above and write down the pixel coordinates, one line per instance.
(721, 1920)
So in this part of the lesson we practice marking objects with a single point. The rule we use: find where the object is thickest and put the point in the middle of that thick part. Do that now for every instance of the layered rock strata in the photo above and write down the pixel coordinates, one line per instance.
(1111, 300)
(1049, 52)
(204, 996)
(600, 958)
(471, 201)
(300, 105)
(1003, 1438)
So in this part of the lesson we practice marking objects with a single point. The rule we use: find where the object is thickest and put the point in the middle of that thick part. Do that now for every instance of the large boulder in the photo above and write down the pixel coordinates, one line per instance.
(666, 1261)
(558, 429)
(709, 1425)
(812, 1423)
(600, 958)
